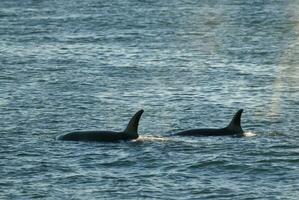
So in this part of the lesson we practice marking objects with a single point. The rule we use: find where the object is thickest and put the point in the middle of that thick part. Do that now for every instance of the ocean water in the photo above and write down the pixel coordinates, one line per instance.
(90, 65)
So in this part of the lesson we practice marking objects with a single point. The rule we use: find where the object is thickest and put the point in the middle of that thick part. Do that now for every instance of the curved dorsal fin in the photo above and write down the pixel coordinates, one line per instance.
(235, 124)
(132, 128)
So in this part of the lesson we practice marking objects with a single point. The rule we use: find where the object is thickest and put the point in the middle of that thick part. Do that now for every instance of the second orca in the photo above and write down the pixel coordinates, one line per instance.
(234, 128)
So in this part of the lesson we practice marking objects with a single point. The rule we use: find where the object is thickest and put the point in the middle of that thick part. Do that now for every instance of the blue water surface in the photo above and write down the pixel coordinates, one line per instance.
(70, 65)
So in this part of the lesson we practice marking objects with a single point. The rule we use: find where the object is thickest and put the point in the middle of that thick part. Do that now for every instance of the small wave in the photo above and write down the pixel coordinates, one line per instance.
(249, 134)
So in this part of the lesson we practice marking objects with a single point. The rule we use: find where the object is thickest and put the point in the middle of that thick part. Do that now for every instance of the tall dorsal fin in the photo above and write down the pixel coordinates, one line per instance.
(132, 128)
(235, 124)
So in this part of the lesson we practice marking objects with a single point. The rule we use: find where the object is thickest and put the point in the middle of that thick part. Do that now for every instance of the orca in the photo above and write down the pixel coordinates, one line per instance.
(234, 128)
(130, 133)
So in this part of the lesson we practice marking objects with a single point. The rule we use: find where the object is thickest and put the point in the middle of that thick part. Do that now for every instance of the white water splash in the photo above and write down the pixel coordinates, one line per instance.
(249, 134)
(152, 138)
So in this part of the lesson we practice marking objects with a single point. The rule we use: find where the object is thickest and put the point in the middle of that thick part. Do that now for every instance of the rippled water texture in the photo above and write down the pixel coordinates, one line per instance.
(91, 64)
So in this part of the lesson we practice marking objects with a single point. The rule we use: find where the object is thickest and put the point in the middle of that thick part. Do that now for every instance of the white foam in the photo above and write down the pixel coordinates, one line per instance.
(249, 134)
(152, 138)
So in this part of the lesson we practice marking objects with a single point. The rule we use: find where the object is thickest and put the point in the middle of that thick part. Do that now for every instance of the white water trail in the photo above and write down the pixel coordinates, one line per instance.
(152, 138)
(249, 134)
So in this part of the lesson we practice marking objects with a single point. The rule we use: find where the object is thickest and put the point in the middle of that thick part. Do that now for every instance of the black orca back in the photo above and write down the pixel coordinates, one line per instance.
(131, 132)
(234, 128)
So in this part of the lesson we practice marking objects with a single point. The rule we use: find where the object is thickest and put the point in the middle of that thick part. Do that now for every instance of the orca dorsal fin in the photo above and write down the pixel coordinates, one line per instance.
(235, 124)
(132, 128)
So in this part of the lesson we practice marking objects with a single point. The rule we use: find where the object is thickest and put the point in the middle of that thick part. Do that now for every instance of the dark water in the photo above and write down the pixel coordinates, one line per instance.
(91, 64)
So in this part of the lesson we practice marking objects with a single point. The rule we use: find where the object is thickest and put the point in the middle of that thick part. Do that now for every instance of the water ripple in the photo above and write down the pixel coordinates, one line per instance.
(89, 65)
